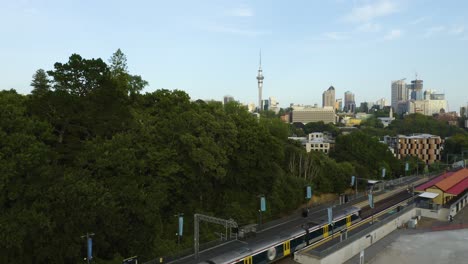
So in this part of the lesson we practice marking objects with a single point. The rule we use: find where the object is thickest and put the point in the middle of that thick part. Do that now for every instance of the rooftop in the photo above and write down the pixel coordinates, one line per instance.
(419, 136)
(453, 180)
(459, 188)
(432, 182)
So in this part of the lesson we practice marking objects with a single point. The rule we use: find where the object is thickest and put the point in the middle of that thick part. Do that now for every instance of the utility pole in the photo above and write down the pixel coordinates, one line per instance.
(89, 246)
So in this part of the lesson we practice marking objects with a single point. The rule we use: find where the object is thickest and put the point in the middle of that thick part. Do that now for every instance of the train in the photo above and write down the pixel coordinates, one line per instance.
(287, 242)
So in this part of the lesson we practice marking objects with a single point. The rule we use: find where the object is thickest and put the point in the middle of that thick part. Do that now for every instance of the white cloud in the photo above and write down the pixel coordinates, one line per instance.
(370, 11)
(393, 34)
(457, 30)
(369, 27)
(241, 12)
(433, 30)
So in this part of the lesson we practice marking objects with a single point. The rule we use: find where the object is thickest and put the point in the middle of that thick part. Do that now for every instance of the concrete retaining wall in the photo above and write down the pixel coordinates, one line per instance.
(356, 247)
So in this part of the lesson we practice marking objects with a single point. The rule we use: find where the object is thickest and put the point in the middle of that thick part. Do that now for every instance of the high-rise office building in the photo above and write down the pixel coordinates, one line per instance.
(339, 104)
(273, 105)
(381, 103)
(463, 111)
(328, 97)
(399, 94)
(260, 84)
(416, 87)
(227, 99)
(350, 104)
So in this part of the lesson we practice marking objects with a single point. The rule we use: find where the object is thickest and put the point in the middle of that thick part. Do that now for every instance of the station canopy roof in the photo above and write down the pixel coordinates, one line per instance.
(428, 195)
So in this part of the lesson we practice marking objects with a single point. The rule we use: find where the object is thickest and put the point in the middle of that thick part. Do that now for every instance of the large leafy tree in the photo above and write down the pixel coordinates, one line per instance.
(130, 84)
(367, 155)
(79, 76)
(417, 123)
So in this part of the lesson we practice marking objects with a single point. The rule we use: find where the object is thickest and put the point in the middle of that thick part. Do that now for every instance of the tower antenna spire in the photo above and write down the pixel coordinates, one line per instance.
(260, 82)
(260, 54)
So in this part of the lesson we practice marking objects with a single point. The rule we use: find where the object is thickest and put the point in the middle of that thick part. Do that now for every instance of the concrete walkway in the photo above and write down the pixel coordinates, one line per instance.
(421, 245)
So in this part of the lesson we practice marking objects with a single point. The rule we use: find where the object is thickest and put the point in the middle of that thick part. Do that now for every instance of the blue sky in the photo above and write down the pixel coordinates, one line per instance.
(209, 48)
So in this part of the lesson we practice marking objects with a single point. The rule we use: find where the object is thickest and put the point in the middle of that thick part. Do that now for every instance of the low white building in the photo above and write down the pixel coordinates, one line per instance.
(316, 141)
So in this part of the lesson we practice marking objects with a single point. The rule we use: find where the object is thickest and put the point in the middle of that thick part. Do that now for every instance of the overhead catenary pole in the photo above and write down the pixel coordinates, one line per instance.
(199, 217)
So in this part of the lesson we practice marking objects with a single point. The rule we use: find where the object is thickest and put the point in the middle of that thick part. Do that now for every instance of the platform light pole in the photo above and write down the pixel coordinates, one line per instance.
(330, 219)
(308, 195)
(262, 208)
(406, 167)
(354, 182)
(89, 246)
(371, 205)
(384, 170)
(180, 230)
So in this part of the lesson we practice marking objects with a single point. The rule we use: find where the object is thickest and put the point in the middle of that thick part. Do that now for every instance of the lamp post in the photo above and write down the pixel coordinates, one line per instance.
(89, 246)
(383, 177)
(180, 217)
(262, 208)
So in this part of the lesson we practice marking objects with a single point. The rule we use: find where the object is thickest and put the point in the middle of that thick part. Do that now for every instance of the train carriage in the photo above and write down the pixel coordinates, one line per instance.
(280, 247)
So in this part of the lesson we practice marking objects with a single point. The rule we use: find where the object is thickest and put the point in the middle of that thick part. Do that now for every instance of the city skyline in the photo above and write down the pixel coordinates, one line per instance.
(210, 49)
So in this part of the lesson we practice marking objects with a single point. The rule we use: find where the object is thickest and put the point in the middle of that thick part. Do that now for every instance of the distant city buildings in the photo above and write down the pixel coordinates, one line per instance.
(339, 104)
(410, 99)
(416, 88)
(307, 114)
(349, 104)
(328, 97)
(251, 107)
(463, 111)
(399, 94)
(426, 147)
(273, 105)
(381, 103)
(227, 99)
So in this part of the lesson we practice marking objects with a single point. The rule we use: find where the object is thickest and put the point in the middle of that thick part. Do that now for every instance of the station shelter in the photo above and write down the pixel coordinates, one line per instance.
(449, 190)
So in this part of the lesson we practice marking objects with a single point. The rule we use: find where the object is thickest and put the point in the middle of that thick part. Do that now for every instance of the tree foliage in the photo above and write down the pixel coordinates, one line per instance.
(40, 83)
(417, 123)
(367, 155)
(93, 154)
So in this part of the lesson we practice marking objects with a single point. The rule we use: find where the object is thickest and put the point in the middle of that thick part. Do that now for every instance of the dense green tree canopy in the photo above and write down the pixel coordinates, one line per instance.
(92, 154)
(417, 123)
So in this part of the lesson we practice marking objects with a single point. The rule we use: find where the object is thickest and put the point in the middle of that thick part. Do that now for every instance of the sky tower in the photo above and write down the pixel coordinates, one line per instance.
(260, 83)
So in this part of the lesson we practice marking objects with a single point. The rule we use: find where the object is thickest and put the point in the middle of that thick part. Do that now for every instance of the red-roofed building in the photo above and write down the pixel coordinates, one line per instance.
(424, 186)
(455, 181)
(459, 188)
